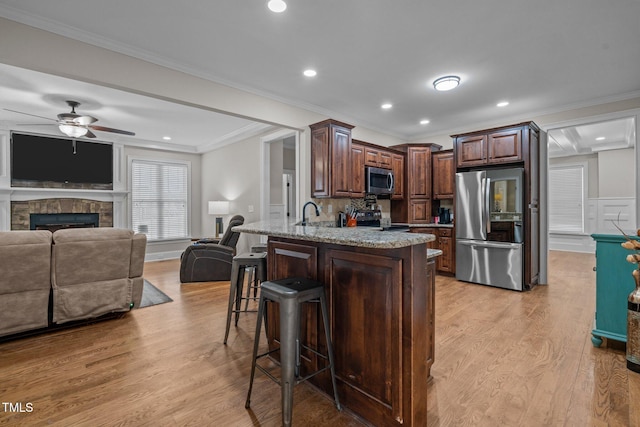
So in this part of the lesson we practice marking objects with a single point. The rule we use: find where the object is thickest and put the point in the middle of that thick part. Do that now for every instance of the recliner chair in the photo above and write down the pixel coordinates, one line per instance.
(209, 260)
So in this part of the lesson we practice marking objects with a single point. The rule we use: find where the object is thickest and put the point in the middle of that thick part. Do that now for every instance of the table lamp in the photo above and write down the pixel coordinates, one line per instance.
(220, 207)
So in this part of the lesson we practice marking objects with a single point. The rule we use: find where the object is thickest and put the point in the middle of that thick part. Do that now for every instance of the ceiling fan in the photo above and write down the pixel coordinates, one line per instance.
(76, 125)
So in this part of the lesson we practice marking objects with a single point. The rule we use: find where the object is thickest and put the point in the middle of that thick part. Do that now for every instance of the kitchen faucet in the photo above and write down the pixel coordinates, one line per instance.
(304, 208)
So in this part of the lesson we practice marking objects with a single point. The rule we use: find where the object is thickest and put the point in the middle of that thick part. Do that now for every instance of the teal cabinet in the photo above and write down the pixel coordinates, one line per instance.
(614, 283)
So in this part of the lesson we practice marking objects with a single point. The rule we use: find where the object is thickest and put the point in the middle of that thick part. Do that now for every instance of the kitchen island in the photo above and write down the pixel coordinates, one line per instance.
(379, 287)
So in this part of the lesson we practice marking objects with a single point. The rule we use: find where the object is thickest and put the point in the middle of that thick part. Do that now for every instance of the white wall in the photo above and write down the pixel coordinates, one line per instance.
(233, 173)
(617, 177)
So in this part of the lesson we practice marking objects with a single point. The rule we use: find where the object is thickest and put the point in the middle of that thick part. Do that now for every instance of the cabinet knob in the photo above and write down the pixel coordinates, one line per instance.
(594, 269)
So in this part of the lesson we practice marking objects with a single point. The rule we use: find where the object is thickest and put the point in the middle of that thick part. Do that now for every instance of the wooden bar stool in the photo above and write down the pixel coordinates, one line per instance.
(258, 263)
(290, 294)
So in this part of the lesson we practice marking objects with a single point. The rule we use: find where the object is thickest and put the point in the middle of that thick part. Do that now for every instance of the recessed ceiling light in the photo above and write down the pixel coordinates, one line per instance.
(600, 138)
(446, 83)
(386, 106)
(424, 122)
(502, 104)
(310, 73)
(166, 138)
(276, 6)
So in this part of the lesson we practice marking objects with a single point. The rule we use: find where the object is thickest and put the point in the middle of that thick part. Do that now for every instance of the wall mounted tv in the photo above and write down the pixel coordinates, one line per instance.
(39, 159)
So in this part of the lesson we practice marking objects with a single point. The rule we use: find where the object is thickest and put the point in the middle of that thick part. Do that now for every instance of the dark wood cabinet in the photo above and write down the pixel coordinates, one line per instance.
(443, 174)
(445, 241)
(378, 158)
(381, 316)
(415, 208)
(489, 148)
(514, 145)
(397, 165)
(431, 309)
(365, 293)
(504, 146)
(331, 161)
(357, 188)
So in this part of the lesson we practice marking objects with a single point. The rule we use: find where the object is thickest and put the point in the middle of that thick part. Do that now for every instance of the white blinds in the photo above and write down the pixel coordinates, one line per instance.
(566, 199)
(159, 199)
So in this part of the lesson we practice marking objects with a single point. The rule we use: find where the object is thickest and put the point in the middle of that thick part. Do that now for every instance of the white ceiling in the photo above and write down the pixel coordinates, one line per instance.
(542, 57)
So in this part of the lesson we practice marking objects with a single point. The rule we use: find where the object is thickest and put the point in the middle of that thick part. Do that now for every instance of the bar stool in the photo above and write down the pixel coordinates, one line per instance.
(290, 294)
(252, 272)
(256, 261)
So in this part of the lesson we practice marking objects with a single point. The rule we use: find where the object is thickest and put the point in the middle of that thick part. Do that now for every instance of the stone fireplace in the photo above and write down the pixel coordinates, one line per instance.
(61, 212)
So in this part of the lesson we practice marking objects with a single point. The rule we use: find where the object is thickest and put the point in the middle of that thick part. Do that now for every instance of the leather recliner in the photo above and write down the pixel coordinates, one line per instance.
(209, 260)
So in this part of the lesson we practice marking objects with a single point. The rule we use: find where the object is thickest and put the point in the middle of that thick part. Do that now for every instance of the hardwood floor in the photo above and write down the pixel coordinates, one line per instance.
(503, 358)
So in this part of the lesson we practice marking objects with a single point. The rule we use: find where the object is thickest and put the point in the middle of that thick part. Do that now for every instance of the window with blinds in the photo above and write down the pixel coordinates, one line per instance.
(567, 189)
(160, 199)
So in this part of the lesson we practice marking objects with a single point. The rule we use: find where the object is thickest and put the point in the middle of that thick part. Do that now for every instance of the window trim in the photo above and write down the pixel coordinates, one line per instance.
(187, 163)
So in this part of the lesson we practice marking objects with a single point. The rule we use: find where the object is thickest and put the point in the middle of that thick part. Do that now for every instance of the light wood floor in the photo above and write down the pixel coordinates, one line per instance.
(503, 358)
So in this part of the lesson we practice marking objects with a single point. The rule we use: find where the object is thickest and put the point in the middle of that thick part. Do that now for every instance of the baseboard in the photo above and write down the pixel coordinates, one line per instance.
(162, 256)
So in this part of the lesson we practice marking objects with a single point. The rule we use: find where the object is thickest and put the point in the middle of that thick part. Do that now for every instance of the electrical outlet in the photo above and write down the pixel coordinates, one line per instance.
(250, 209)
(330, 209)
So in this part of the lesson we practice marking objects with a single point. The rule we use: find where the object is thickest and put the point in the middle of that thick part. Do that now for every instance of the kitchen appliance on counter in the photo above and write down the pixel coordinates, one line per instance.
(379, 181)
(480, 257)
(444, 216)
(368, 218)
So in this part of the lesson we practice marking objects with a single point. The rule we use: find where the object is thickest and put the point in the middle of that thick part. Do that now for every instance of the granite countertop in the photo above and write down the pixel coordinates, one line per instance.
(366, 237)
(432, 253)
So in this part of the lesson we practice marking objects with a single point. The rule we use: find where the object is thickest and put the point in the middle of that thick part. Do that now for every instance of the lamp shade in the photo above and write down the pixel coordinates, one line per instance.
(73, 131)
(220, 207)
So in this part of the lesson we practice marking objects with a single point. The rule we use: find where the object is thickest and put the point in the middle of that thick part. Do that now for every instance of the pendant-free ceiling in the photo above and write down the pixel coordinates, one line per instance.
(446, 83)
(277, 5)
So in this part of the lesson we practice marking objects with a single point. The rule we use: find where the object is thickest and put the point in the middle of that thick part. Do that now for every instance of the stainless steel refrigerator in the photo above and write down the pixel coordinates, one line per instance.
(488, 200)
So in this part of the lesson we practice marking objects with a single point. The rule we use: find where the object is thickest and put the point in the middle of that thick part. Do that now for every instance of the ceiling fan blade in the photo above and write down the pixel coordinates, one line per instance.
(112, 130)
(27, 114)
(89, 134)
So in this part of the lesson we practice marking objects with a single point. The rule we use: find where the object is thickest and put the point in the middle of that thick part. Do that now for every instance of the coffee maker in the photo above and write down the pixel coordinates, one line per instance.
(444, 216)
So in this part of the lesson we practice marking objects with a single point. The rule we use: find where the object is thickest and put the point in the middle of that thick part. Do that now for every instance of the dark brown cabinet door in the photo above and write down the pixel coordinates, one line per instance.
(504, 146)
(419, 159)
(320, 162)
(471, 150)
(341, 163)
(365, 295)
(445, 261)
(397, 165)
(420, 211)
(443, 174)
(431, 310)
(357, 170)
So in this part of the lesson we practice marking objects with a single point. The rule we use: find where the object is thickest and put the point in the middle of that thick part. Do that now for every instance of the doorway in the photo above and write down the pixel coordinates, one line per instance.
(590, 181)
(280, 160)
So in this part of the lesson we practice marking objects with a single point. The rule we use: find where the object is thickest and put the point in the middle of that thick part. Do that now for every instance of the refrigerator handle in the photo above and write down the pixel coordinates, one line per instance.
(487, 204)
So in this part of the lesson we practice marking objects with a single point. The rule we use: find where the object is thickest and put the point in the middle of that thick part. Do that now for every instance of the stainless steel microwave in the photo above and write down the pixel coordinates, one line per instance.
(379, 181)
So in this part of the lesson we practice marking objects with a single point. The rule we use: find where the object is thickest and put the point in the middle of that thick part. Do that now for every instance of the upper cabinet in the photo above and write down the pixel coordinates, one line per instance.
(498, 146)
(415, 207)
(443, 174)
(378, 158)
(397, 165)
(331, 161)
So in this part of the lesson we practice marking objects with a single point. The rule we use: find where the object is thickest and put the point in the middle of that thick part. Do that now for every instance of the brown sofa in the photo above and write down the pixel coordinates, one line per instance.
(49, 279)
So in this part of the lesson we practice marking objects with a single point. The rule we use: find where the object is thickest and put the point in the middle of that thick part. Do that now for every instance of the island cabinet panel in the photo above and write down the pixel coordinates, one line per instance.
(366, 295)
(287, 259)
(381, 322)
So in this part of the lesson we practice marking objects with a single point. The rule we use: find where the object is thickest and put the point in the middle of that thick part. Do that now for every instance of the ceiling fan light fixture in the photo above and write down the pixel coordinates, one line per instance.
(277, 6)
(73, 131)
(445, 83)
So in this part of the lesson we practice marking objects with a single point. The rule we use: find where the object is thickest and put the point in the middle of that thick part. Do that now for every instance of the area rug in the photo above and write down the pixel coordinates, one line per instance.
(152, 295)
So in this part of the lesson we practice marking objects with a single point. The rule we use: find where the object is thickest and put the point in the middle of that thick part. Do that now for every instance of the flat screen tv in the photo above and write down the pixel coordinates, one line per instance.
(38, 159)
